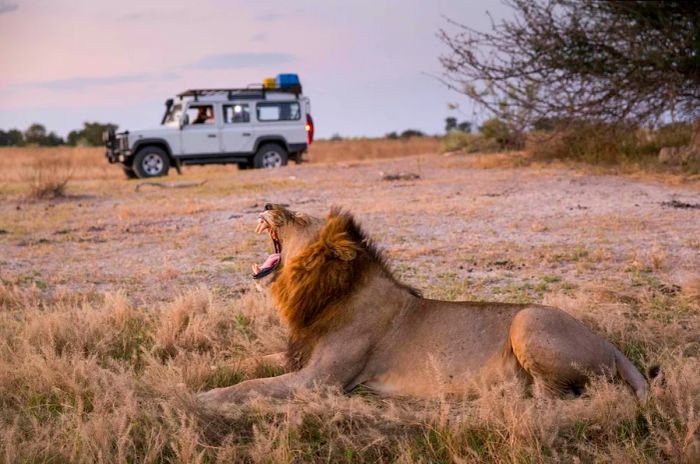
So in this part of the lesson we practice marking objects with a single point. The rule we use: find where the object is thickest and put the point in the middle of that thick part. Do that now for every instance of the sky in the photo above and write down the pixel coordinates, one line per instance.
(367, 66)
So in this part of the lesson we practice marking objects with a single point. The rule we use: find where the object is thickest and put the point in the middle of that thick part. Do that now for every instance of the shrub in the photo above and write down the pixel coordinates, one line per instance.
(468, 143)
(408, 133)
(48, 178)
(499, 131)
(594, 143)
(670, 135)
(600, 143)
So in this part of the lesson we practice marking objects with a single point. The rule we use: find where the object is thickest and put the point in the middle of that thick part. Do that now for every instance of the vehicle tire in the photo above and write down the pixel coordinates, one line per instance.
(270, 156)
(129, 172)
(151, 162)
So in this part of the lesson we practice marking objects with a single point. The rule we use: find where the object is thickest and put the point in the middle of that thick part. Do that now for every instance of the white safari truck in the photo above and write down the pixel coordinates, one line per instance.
(254, 127)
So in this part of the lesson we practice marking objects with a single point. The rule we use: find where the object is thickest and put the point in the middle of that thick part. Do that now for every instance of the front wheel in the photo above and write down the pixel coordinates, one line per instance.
(129, 173)
(270, 156)
(151, 162)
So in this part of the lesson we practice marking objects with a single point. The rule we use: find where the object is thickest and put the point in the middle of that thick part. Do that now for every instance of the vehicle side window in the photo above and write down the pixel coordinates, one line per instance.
(240, 112)
(278, 111)
(200, 114)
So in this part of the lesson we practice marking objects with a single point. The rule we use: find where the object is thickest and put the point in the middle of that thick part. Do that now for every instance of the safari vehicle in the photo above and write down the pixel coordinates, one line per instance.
(254, 127)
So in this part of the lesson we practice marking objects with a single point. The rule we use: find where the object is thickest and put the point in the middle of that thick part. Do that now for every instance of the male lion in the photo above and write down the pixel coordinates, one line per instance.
(352, 323)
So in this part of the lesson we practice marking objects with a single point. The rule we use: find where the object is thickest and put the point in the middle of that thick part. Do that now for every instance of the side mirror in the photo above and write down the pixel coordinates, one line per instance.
(185, 120)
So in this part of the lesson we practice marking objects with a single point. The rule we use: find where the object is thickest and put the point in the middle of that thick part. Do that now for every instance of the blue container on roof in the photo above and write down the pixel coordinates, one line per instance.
(287, 80)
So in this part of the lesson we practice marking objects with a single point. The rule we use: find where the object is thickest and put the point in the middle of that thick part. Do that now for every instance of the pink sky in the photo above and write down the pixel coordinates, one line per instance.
(362, 63)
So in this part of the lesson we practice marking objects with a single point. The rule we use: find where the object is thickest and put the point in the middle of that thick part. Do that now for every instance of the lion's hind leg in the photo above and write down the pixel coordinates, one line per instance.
(558, 352)
(549, 386)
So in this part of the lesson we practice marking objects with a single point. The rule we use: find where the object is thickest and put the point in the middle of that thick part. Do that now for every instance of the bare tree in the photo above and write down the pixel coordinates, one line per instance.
(596, 60)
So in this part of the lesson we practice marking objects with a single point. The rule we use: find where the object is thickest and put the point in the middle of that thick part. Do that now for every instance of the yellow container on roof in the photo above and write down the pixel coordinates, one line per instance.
(270, 83)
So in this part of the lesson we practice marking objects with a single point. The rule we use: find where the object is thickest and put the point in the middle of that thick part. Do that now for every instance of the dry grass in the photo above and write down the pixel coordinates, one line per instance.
(612, 146)
(107, 380)
(116, 305)
(329, 151)
(48, 178)
(85, 163)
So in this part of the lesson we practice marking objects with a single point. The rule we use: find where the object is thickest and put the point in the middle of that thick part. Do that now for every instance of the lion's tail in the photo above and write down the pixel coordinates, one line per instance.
(631, 375)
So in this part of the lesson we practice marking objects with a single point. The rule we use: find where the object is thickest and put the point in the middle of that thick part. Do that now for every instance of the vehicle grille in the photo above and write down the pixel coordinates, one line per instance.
(121, 143)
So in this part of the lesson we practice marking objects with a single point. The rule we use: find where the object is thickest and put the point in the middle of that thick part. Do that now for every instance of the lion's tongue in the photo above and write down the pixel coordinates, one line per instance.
(271, 261)
(266, 268)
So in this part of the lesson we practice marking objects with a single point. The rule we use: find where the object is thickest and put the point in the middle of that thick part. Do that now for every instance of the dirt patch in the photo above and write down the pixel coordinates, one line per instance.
(506, 219)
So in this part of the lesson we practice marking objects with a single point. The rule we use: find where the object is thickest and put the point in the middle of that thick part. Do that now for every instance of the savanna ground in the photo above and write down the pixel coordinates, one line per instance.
(118, 300)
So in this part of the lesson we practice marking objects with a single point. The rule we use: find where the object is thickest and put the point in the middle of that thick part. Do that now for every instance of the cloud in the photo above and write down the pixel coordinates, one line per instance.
(151, 15)
(242, 60)
(83, 83)
(132, 16)
(275, 16)
(259, 37)
(269, 17)
(6, 7)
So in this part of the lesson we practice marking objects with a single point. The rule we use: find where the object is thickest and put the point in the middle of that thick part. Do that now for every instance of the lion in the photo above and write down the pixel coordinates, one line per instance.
(352, 323)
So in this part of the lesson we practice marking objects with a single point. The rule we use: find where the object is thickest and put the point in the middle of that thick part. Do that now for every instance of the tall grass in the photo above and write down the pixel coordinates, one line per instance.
(91, 380)
(329, 151)
(605, 144)
(84, 163)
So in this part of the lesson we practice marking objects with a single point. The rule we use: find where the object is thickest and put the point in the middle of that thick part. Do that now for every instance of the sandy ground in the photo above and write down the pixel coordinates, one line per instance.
(457, 232)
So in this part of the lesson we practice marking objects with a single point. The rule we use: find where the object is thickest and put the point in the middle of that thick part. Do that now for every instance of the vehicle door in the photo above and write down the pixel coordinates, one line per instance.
(200, 134)
(237, 132)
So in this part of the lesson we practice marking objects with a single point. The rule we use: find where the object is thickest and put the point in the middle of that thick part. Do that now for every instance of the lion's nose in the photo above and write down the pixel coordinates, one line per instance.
(268, 206)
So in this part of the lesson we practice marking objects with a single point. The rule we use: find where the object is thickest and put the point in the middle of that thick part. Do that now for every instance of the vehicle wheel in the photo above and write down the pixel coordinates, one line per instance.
(129, 173)
(270, 156)
(151, 162)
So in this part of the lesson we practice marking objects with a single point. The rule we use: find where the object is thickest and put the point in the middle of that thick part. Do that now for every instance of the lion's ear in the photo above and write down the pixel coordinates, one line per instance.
(337, 240)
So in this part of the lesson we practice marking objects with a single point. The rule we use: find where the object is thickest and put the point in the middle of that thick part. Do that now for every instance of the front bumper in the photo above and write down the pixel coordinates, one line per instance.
(117, 148)
(116, 156)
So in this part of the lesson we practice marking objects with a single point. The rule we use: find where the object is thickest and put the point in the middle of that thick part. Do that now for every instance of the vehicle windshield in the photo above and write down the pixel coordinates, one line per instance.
(173, 116)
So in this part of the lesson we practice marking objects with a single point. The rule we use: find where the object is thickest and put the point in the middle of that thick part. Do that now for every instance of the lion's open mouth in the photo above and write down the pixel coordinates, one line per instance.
(273, 260)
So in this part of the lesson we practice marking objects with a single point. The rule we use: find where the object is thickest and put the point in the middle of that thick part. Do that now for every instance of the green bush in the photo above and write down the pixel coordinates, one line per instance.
(499, 131)
(468, 143)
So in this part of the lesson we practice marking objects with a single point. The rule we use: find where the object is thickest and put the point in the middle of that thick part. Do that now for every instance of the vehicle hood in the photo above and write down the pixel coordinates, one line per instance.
(152, 132)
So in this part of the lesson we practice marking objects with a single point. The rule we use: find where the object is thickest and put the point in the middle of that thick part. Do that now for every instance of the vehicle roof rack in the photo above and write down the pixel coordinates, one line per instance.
(252, 91)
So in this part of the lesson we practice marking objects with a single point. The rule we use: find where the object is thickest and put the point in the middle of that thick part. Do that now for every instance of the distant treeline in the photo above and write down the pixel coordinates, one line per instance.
(451, 125)
(89, 136)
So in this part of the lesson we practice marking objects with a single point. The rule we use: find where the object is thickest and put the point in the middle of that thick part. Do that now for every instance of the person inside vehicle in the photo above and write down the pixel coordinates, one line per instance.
(203, 115)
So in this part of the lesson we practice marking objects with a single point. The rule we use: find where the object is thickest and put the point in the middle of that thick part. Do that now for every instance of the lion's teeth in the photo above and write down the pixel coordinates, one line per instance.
(262, 225)
(256, 268)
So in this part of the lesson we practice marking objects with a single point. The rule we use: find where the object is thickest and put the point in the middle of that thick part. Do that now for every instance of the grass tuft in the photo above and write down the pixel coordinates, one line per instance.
(48, 178)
